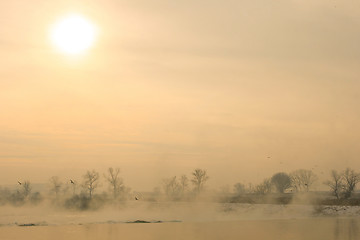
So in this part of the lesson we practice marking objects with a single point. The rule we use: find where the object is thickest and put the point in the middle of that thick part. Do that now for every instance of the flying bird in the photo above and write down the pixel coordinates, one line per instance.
(136, 198)
(71, 181)
(19, 183)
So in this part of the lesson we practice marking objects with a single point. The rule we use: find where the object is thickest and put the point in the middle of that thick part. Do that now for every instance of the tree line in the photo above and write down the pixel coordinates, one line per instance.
(179, 188)
(342, 184)
(84, 194)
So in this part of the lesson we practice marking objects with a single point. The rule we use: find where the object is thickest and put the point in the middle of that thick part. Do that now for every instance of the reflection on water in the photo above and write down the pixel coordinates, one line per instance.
(346, 229)
(293, 229)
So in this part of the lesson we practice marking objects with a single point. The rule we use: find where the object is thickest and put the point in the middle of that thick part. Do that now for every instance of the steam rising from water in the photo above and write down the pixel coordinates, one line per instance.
(164, 212)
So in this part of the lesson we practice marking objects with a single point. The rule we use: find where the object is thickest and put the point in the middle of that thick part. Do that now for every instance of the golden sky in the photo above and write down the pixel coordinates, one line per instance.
(173, 85)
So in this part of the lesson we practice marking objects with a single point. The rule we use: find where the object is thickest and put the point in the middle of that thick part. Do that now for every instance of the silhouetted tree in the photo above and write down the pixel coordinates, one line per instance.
(239, 188)
(264, 187)
(199, 178)
(26, 188)
(115, 182)
(350, 178)
(336, 184)
(55, 185)
(281, 181)
(250, 188)
(184, 183)
(172, 188)
(91, 181)
(302, 180)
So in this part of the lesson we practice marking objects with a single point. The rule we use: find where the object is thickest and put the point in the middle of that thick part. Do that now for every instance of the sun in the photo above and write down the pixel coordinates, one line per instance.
(73, 34)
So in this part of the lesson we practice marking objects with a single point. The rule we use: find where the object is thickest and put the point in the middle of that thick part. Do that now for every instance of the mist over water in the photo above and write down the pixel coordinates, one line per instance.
(296, 229)
(228, 119)
(152, 212)
(178, 220)
(282, 207)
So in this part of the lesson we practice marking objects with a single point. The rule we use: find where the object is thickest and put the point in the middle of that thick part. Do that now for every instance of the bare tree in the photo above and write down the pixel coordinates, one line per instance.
(302, 180)
(26, 188)
(91, 181)
(199, 178)
(250, 188)
(264, 187)
(350, 178)
(239, 188)
(55, 185)
(281, 181)
(184, 183)
(115, 182)
(172, 188)
(336, 185)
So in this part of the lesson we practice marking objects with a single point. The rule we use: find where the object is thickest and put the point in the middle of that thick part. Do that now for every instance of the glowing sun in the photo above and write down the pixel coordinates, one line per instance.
(73, 34)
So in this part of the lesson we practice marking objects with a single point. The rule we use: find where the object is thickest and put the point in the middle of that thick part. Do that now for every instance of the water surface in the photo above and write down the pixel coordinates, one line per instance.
(287, 229)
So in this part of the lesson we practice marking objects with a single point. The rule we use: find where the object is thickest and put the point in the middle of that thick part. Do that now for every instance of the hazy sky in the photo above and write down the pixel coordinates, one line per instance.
(174, 85)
